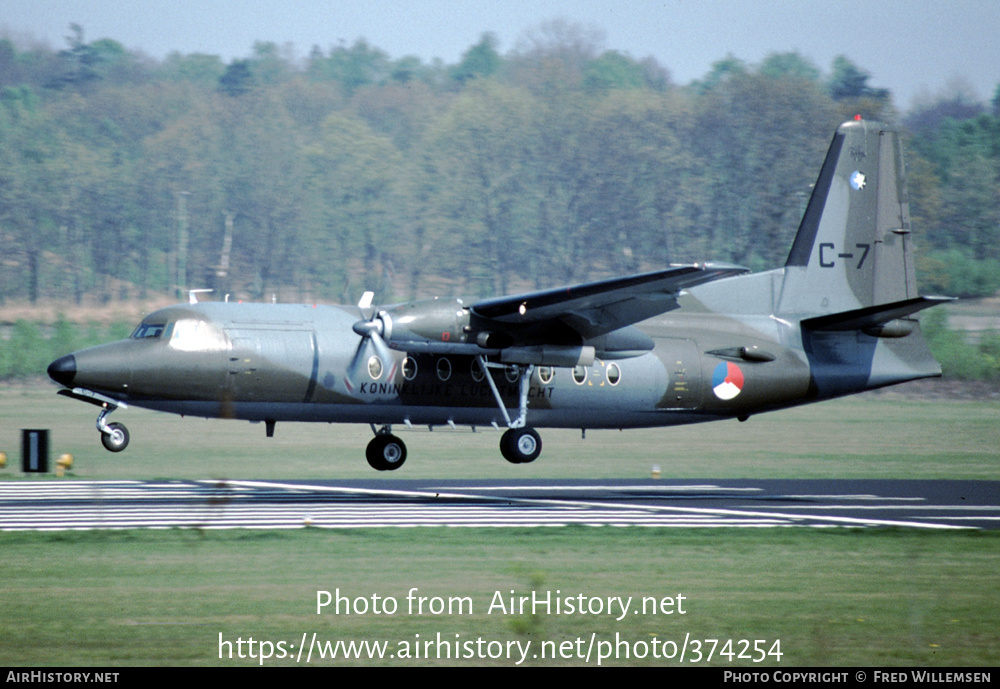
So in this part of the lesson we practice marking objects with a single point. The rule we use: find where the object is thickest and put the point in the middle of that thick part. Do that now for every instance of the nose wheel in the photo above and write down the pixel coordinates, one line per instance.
(116, 439)
(114, 436)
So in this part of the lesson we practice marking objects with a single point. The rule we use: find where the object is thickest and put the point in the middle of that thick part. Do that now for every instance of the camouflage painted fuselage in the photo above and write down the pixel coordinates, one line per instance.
(289, 363)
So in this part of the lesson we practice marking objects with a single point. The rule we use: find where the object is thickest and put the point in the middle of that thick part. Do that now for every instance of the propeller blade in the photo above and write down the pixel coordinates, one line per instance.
(366, 300)
(355, 371)
(371, 344)
(385, 354)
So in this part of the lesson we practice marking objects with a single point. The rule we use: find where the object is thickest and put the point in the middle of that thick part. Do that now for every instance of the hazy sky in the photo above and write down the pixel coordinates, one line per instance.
(908, 46)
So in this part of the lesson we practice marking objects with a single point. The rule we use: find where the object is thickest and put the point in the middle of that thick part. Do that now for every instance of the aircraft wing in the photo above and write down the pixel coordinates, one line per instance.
(597, 308)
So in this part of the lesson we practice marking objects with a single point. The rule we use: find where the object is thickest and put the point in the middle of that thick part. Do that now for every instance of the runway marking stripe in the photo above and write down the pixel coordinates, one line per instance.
(223, 504)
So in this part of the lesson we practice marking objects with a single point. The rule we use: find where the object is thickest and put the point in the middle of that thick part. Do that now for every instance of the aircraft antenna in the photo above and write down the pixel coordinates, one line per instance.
(193, 295)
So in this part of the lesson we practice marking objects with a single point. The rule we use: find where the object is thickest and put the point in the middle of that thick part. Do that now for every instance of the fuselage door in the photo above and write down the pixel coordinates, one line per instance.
(276, 364)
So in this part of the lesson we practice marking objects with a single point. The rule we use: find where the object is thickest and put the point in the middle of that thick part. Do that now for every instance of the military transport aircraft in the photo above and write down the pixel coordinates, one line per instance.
(835, 320)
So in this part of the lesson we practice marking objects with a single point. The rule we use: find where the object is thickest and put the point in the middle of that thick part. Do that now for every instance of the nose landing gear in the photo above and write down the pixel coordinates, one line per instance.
(116, 439)
(114, 436)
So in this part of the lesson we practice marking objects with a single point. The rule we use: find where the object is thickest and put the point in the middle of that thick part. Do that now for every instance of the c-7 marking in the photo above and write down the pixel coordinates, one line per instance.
(829, 262)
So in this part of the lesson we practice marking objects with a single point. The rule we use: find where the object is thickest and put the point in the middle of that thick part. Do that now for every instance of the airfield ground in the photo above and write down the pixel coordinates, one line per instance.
(832, 597)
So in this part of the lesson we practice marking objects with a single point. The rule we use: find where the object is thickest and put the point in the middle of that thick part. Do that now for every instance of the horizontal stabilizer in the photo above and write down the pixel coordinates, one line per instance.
(871, 316)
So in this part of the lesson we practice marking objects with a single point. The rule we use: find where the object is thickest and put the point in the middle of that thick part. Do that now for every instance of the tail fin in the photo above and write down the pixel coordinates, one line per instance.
(849, 278)
(852, 249)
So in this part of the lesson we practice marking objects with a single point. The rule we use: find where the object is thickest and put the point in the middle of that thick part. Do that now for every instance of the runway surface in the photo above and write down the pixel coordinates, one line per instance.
(62, 505)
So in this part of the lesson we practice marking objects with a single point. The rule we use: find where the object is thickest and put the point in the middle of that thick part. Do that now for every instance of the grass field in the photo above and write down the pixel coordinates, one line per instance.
(831, 597)
(838, 597)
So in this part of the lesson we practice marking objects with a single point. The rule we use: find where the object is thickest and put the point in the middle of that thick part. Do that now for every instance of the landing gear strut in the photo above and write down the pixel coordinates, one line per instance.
(114, 436)
(520, 443)
(385, 452)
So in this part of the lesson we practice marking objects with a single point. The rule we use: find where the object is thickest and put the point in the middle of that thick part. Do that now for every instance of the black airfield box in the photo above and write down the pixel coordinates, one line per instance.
(35, 450)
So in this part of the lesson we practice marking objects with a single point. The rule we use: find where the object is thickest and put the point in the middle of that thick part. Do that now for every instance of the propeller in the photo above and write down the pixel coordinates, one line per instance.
(373, 329)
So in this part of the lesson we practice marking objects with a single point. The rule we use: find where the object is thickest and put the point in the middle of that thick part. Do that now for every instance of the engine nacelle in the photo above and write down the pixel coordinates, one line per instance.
(544, 355)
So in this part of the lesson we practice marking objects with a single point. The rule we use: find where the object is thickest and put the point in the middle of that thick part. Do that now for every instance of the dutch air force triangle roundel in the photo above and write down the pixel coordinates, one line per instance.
(727, 381)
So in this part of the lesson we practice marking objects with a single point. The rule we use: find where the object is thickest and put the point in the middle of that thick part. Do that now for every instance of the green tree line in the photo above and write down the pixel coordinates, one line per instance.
(320, 177)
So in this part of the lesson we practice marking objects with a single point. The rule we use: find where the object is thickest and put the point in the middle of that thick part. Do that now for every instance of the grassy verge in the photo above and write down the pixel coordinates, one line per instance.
(832, 598)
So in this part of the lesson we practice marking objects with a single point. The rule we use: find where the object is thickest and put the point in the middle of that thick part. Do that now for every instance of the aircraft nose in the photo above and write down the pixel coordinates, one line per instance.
(63, 370)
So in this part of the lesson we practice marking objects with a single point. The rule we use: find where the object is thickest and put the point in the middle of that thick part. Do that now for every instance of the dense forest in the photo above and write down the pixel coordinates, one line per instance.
(316, 178)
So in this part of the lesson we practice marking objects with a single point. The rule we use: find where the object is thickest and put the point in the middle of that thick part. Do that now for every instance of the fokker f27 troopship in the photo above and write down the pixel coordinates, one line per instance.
(677, 346)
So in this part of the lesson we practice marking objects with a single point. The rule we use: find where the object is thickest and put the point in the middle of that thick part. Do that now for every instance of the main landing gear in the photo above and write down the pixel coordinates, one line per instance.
(520, 443)
(385, 452)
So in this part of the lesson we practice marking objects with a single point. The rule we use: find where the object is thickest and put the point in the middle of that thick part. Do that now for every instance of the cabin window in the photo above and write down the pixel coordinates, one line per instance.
(191, 335)
(546, 374)
(443, 369)
(580, 375)
(613, 374)
(409, 368)
(374, 367)
(512, 373)
(478, 374)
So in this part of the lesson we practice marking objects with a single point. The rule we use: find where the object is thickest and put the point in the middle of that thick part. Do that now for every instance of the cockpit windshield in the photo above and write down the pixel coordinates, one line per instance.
(148, 330)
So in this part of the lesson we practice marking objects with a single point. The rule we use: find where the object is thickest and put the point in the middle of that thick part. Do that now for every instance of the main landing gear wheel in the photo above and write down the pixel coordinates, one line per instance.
(386, 452)
(116, 439)
(520, 445)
